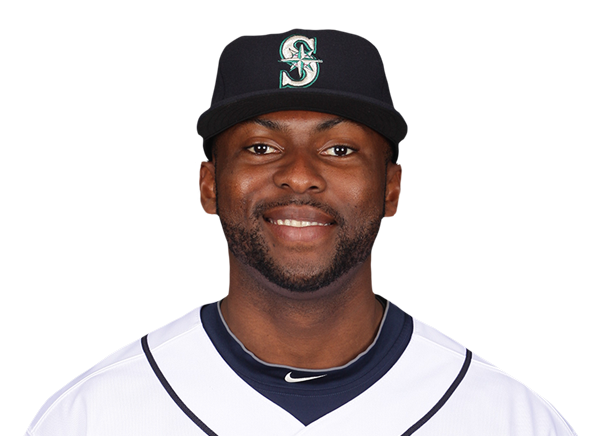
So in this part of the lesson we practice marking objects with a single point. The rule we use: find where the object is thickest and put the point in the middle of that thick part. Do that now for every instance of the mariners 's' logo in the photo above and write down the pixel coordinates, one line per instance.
(299, 53)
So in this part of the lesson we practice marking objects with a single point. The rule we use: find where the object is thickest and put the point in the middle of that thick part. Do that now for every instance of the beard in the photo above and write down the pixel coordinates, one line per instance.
(353, 246)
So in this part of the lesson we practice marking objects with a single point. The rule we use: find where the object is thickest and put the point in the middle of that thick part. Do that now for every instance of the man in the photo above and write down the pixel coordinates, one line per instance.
(302, 142)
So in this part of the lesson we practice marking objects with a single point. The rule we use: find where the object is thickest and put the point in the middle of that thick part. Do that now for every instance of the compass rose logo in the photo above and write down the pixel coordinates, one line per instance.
(299, 53)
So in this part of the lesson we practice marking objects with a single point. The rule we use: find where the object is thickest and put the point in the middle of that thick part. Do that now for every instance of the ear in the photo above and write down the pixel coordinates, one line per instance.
(392, 192)
(208, 187)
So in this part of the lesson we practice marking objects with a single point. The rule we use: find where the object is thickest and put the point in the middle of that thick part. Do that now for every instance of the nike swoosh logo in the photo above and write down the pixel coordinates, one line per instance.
(290, 379)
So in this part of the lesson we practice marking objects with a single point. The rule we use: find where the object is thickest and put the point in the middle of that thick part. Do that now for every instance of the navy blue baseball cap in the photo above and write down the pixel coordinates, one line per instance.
(317, 70)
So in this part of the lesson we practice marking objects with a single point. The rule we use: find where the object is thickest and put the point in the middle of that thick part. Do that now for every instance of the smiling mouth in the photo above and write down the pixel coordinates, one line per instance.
(295, 223)
(298, 217)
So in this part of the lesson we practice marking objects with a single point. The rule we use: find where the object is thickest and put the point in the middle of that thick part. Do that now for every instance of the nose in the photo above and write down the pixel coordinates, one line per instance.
(299, 172)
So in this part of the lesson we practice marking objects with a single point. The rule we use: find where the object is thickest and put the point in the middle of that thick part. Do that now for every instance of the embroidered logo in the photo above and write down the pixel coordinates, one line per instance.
(299, 53)
(290, 379)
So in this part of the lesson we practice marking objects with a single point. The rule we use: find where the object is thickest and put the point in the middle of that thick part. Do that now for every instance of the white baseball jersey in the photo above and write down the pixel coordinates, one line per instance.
(192, 378)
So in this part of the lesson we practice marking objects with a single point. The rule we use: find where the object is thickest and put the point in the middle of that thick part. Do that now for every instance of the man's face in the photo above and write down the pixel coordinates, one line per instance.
(300, 195)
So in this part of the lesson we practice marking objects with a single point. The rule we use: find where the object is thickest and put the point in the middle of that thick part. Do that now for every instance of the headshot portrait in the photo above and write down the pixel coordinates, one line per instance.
(274, 219)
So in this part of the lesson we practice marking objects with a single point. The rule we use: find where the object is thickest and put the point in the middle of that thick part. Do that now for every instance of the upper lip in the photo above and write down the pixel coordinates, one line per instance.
(298, 213)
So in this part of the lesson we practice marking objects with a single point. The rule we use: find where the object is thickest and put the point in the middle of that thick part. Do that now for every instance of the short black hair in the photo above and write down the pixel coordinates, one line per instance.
(389, 153)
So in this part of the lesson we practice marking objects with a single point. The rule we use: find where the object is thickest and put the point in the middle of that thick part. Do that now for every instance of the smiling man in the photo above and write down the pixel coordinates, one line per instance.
(301, 195)
(302, 142)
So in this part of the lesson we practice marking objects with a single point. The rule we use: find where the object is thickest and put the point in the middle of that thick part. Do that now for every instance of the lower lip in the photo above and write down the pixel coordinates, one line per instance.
(300, 234)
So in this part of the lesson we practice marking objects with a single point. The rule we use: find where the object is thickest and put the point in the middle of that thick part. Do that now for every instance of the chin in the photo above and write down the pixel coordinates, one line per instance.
(302, 280)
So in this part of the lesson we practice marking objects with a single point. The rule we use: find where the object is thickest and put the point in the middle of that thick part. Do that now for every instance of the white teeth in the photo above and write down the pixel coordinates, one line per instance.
(294, 223)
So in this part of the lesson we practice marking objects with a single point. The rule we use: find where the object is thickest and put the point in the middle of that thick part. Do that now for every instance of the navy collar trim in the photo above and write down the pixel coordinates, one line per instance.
(392, 338)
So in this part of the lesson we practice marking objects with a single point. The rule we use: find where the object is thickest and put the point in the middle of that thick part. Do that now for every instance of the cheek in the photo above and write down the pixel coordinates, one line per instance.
(361, 189)
(237, 191)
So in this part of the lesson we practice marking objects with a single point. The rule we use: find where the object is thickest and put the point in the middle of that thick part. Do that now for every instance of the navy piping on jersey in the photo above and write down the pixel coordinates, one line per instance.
(171, 391)
(459, 378)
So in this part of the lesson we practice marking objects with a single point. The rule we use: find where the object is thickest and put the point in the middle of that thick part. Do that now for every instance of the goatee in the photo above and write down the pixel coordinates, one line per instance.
(352, 247)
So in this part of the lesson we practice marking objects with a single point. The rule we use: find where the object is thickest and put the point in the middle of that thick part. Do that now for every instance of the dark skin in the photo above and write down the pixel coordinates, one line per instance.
(284, 160)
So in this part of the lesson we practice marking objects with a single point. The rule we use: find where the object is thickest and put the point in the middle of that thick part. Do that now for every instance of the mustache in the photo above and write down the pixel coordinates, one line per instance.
(264, 206)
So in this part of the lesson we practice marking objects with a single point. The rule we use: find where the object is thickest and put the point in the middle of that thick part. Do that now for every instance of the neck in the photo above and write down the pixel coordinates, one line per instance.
(316, 330)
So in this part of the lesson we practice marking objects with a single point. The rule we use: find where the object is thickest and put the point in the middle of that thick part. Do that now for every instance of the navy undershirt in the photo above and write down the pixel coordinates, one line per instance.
(312, 399)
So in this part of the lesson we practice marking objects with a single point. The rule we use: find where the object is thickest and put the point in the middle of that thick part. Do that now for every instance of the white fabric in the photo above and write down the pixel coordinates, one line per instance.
(122, 396)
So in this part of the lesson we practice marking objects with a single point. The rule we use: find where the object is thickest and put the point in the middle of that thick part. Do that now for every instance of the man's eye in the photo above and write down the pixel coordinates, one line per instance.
(338, 150)
(261, 149)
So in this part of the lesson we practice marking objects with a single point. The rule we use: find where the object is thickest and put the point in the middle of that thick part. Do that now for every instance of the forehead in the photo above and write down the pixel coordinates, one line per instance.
(302, 123)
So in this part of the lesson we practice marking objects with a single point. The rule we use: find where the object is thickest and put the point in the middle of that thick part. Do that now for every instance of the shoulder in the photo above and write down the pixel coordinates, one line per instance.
(487, 397)
(111, 384)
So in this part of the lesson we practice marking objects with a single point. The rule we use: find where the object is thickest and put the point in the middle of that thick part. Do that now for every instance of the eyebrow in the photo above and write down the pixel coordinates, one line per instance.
(274, 125)
(326, 125)
(271, 125)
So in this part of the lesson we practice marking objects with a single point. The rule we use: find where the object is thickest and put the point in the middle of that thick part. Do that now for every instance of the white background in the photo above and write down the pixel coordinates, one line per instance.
(102, 237)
